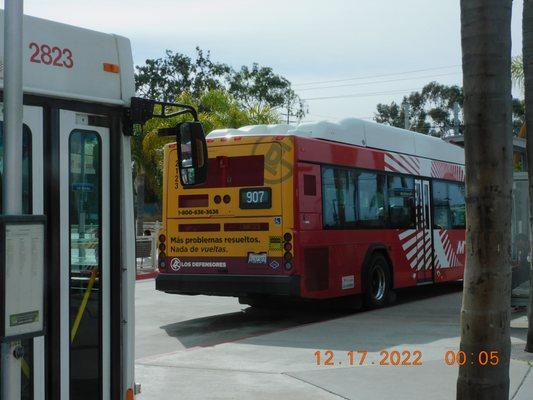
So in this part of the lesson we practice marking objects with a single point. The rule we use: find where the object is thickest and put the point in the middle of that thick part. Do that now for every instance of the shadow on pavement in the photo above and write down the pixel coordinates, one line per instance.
(252, 322)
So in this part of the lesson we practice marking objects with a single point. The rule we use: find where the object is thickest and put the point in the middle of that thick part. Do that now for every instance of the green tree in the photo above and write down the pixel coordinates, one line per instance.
(166, 78)
(517, 71)
(224, 98)
(216, 109)
(485, 312)
(255, 87)
(260, 86)
(431, 110)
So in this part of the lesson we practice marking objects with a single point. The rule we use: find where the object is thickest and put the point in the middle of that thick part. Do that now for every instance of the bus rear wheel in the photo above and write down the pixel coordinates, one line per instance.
(377, 282)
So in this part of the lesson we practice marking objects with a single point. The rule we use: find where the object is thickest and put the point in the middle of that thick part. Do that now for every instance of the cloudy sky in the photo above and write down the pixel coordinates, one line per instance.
(344, 56)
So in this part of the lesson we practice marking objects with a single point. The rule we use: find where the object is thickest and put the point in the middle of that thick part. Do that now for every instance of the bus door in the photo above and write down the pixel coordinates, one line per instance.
(424, 233)
(84, 253)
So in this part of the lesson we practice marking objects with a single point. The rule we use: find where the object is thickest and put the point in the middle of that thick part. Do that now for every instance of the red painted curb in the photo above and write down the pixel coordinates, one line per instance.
(146, 275)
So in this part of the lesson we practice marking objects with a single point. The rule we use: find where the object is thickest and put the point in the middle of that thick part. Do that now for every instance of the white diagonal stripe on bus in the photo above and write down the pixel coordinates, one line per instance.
(428, 262)
(428, 244)
(399, 165)
(420, 263)
(409, 161)
(400, 159)
(448, 249)
(409, 243)
(406, 233)
(410, 254)
(395, 166)
(402, 164)
(390, 169)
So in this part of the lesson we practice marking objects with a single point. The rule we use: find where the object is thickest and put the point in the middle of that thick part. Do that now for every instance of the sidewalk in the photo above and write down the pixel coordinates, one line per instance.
(282, 365)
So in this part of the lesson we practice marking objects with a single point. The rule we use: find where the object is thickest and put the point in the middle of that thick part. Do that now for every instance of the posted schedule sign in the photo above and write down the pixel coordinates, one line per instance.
(22, 276)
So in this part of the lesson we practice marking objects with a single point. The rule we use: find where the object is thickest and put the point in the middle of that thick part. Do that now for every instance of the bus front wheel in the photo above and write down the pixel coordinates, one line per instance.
(377, 282)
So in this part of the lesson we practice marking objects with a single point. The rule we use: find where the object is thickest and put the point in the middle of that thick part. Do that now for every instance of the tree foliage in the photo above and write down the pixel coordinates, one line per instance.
(166, 78)
(431, 110)
(255, 87)
(517, 71)
(216, 109)
(224, 98)
(260, 86)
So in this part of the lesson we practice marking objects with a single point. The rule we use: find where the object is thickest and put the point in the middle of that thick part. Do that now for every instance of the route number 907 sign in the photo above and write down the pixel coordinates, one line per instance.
(255, 198)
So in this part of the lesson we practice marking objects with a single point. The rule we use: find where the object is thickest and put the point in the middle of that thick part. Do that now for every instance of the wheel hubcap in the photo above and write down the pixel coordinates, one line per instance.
(378, 284)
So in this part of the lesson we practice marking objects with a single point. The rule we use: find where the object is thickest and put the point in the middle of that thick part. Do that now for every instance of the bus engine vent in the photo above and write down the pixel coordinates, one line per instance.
(316, 265)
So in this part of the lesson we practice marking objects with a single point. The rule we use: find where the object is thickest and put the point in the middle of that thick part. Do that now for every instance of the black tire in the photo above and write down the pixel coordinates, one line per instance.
(377, 285)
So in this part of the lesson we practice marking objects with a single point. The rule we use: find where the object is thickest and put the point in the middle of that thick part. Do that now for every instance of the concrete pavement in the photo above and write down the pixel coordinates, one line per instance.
(213, 348)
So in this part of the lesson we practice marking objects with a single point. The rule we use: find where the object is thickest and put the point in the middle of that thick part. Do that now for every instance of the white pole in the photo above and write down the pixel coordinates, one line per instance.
(406, 116)
(12, 197)
(456, 109)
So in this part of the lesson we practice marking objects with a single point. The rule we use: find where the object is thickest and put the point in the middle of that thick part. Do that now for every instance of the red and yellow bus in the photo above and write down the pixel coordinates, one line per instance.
(316, 211)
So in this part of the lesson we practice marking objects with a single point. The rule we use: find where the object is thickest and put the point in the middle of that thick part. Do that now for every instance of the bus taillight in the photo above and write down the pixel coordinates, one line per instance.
(287, 256)
(162, 258)
(162, 263)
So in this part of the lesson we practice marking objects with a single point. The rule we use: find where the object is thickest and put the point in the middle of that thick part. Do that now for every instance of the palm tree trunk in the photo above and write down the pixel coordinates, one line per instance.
(527, 37)
(485, 313)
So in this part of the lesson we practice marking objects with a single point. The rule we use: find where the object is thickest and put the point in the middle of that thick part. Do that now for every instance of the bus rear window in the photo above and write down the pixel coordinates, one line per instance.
(235, 171)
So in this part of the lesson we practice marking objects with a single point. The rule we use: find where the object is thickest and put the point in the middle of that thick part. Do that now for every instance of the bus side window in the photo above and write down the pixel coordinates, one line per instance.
(457, 205)
(449, 207)
(371, 210)
(401, 198)
(440, 205)
(339, 197)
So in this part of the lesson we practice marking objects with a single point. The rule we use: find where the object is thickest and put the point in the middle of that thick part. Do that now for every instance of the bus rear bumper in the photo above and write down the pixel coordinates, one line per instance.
(228, 285)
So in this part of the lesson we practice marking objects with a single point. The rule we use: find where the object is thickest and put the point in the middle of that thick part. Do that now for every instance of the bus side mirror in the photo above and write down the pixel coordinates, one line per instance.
(192, 154)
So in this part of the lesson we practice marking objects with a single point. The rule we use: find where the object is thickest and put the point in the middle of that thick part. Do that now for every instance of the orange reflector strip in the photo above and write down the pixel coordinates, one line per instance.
(114, 68)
